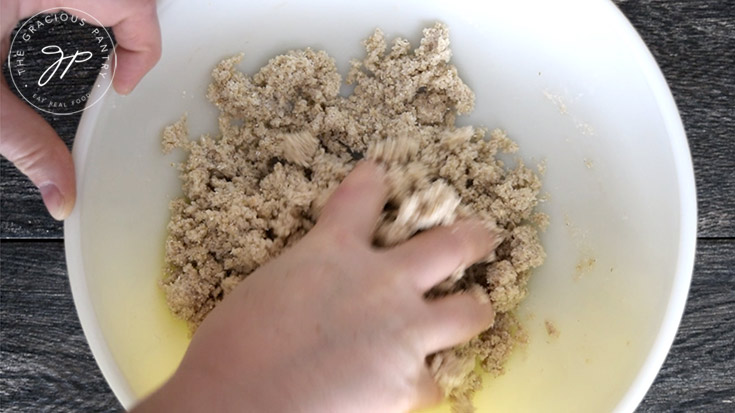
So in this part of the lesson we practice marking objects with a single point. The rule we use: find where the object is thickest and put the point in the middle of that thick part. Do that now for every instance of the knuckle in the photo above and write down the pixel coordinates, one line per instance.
(28, 161)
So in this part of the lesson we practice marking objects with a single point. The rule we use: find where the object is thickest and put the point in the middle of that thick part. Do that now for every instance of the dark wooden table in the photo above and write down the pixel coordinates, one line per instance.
(46, 365)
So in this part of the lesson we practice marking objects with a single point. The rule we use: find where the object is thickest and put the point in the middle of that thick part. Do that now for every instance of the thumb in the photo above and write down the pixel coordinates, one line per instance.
(36, 150)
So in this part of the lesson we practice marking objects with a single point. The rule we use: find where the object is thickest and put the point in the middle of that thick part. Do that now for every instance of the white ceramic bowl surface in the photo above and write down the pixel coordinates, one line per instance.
(569, 80)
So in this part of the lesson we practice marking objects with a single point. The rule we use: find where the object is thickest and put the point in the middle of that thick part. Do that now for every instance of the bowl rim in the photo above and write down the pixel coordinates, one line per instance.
(75, 264)
(681, 278)
(687, 218)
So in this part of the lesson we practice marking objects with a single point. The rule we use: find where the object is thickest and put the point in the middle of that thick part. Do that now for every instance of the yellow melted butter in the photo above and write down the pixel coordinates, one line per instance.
(148, 343)
(604, 329)
(578, 371)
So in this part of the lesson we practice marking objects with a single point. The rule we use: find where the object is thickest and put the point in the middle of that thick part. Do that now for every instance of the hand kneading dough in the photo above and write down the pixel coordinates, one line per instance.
(287, 139)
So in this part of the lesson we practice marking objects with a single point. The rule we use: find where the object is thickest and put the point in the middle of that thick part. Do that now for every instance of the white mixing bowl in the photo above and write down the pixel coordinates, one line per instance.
(570, 80)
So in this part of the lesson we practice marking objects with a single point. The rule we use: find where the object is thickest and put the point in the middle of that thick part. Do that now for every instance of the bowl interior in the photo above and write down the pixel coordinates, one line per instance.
(570, 81)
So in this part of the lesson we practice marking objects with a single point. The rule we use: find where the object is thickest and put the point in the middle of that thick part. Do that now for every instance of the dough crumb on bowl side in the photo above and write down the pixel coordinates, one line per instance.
(286, 140)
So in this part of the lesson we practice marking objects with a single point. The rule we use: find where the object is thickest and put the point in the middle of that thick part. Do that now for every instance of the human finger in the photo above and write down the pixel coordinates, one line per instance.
(138, 47)
(455, 319)
(356, 204)
(36, 150)
(136, 29)
(430, 257)
(428, 392)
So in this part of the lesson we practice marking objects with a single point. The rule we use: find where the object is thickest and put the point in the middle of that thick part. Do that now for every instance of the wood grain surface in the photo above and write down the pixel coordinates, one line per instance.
(46, 365)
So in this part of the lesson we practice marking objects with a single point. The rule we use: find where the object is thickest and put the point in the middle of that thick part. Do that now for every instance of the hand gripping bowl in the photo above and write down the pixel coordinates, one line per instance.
(569, 80)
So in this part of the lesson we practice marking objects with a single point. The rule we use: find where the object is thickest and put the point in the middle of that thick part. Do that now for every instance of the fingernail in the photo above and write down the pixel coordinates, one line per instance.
(122, 89)
(53, 199)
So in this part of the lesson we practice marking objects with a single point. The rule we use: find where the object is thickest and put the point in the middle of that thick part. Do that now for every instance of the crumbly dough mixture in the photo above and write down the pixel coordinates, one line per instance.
(287, 139)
